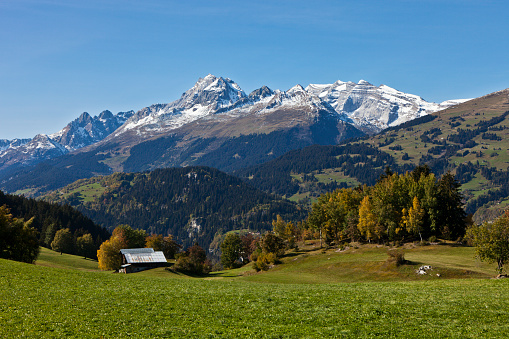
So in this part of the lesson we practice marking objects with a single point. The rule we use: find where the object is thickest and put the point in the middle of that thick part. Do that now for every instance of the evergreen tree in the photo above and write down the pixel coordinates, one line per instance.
(451, 215)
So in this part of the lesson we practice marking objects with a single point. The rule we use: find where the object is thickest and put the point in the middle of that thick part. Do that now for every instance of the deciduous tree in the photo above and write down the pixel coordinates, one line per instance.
(165, 244)
(193, 260)
(413, 220)
(368, 224)
(231, 249)
(491, 241)
(85, 245)
(63, 241)
(109, 253)
(134, 238)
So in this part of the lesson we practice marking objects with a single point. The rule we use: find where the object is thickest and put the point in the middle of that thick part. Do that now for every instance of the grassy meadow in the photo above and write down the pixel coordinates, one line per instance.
(64, 296)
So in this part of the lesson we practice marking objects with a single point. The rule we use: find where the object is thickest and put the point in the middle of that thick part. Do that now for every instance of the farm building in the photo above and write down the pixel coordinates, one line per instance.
(139, 259)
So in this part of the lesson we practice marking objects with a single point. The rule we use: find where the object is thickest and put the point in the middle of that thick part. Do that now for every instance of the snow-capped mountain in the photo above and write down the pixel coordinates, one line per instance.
(215, 123)
(363, 105)
(86, 130)
(207, 96)
(217, 107)
(83, 131)
(375, 108)
(5, 144)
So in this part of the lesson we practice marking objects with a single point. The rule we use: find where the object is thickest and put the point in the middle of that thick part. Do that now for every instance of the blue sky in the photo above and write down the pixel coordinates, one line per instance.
(61, 58)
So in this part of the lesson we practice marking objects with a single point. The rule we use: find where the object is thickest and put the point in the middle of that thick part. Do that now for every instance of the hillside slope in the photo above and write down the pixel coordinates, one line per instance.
(191, 203)
(214, 123)
(469, 139)
(48, 218)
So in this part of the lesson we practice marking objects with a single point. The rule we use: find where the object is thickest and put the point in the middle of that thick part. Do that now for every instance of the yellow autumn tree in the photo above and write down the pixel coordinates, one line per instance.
(109, 253)
(414, 218)
(368, 225)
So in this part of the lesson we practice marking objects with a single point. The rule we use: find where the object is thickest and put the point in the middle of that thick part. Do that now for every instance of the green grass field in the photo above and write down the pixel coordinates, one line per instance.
(47, 302)
(312, 294)
(51, 258)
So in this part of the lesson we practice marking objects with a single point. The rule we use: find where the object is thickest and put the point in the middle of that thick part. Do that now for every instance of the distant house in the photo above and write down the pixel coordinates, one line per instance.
(139, 259)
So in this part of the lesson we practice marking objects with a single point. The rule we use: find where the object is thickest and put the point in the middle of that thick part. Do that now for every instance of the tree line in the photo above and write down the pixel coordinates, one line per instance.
(49, 219)
(399, 207)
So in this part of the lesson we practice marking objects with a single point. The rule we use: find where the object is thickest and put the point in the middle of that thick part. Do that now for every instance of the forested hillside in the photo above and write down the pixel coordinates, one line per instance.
(469, 139)
(191, 203)
(48, 218)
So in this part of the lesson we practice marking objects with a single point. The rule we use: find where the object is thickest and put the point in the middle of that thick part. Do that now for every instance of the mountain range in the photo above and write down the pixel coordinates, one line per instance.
(215, 123)
(469, 140)
(83, 131)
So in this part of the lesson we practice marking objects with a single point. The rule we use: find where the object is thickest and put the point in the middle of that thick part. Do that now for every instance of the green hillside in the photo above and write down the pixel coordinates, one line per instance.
(311, 264)
(192, 203)
(37, 301)
(470, 140)
(54, 259)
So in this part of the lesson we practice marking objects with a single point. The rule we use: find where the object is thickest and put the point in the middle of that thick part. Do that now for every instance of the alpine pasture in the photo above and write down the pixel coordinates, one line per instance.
(63, 296)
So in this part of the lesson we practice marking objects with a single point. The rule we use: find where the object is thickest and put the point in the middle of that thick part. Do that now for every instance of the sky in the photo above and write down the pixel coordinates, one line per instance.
(59, 58)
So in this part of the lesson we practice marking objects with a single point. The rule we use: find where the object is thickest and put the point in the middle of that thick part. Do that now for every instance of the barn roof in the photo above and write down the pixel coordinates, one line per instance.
(143, 255)
(137, 250)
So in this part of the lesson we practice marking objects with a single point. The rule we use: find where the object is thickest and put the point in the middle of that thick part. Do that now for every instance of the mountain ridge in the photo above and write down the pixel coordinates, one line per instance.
(208, 125)
(468, 139)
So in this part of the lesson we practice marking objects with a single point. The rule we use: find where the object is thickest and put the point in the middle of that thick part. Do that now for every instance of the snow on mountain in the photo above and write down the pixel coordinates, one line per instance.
(86, 130)
(15, 143)
(83, 131)
(219, 107)
(207, 96)
(362, 104)
(40, 148)
(220, 99)
(449, 103)
(373, 107)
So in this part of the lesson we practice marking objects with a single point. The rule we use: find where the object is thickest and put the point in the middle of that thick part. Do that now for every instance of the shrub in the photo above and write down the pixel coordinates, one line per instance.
(396, 257)
(264, 261)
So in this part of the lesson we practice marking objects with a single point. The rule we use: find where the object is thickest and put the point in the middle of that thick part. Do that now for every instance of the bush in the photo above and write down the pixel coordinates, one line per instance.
(264, 261)
(396, 257)
(194, 260)
(307, 235)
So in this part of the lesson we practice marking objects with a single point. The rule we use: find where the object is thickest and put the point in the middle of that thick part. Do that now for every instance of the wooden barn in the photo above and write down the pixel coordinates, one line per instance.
(139, 259)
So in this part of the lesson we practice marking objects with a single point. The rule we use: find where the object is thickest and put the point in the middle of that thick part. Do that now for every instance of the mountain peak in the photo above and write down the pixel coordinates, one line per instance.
(106, 115)
(296, 89)
(84, 118)
(364, 82)
(261, 92)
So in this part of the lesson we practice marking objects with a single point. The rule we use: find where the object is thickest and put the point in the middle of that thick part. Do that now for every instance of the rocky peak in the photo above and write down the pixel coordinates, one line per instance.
(105, 115)
(261, 93)
(84, 119)
(211, 90)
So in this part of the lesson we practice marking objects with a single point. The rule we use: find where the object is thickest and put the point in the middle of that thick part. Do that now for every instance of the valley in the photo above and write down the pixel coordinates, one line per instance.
(335, 274)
